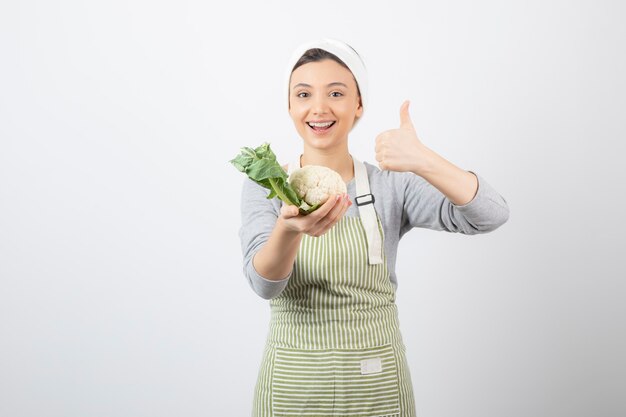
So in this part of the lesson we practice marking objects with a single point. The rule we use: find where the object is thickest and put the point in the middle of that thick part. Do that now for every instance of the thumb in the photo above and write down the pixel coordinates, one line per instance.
(289, 211)
(405, 117)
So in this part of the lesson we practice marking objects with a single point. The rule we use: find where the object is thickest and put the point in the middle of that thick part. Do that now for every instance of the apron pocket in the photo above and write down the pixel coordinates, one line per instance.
(335, 382)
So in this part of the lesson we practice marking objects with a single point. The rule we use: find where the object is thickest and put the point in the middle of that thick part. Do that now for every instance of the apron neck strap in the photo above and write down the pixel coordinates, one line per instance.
(295, 164)
(364, 200)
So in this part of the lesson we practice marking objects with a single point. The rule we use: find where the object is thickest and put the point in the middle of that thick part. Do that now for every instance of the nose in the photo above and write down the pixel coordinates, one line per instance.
(319, 105)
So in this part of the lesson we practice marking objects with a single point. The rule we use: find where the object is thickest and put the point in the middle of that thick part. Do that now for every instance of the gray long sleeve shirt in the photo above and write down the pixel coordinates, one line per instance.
(403, 201)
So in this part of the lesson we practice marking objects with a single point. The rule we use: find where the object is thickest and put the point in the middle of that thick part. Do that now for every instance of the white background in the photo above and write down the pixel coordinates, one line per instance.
(121, 289)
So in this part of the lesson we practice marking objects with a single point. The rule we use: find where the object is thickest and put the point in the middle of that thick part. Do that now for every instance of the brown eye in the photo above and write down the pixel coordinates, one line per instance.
(302, 94)
(336, 94)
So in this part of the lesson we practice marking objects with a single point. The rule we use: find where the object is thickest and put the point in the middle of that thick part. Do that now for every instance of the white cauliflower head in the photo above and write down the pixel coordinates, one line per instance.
(315, 183)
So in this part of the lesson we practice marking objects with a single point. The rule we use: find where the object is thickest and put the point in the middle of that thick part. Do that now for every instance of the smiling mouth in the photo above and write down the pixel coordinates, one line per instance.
(320, 126)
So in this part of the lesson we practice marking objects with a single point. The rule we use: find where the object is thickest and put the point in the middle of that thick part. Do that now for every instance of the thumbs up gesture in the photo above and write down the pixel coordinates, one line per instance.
(400, 149)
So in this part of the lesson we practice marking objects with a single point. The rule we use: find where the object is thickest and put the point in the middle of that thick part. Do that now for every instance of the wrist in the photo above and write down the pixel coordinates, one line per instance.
(283, 228)
(425, 162)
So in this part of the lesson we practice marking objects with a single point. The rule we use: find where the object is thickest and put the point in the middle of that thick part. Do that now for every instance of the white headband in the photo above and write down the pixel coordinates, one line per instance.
(344, 52)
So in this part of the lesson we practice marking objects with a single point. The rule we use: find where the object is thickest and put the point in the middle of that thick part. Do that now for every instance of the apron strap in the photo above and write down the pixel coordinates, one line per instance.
(365, 202)
(295, 164)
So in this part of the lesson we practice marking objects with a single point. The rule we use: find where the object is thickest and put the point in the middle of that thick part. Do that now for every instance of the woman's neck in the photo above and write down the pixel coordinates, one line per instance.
(338, 160)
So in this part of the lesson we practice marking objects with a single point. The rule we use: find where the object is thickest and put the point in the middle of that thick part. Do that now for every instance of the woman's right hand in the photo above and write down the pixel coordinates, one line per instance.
(318, 222)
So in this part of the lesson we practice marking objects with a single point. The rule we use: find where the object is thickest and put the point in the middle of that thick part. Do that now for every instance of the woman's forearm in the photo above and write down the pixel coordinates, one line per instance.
(274, 261)
(458, 185)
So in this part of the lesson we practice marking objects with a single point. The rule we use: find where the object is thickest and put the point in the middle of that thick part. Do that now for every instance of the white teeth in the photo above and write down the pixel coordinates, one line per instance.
(325, 124)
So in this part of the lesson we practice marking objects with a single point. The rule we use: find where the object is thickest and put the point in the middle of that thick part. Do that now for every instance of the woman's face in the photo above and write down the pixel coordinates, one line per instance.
(323, 103)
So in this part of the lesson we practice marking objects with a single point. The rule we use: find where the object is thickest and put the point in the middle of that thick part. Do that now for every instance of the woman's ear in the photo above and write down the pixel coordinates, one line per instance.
(359, 110)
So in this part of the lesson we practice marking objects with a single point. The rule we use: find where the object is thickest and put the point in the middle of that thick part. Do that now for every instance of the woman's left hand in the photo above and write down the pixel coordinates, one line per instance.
(400, 149)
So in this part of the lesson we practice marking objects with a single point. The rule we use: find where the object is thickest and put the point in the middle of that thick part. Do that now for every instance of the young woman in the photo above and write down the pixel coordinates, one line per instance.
(334, 346)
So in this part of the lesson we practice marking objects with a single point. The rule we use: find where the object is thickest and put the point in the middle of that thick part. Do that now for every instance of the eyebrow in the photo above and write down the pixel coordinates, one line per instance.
(336, 83)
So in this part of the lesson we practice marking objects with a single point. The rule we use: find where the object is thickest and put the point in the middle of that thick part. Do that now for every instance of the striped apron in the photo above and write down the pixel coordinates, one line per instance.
(334, 346)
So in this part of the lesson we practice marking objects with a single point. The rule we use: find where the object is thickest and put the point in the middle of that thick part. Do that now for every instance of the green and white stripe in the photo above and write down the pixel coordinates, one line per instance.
(329, 382)
(336, 311)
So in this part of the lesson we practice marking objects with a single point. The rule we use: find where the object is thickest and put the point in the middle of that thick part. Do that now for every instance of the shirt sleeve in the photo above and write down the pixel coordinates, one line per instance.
(258, 217)
(427, 207)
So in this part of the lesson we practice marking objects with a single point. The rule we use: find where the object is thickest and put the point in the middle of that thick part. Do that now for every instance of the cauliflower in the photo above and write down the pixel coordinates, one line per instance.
(315, 183)
(307, 188)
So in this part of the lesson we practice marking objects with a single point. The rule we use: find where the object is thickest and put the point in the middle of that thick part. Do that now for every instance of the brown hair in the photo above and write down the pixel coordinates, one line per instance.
(318, 54)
